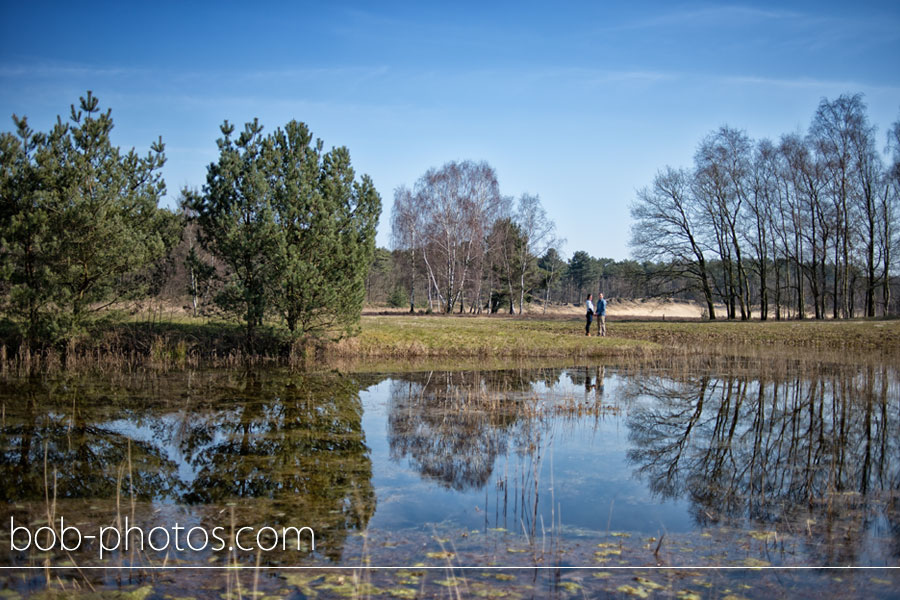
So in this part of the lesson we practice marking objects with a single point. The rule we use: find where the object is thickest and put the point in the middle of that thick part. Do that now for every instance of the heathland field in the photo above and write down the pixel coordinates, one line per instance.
(448, 336)
(179, 340)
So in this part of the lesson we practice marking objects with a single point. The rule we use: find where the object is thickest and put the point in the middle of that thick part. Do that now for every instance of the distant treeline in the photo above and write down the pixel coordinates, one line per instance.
(549, 280)
(459, 245)
(388, 280)
(804, 226)
(807, 224)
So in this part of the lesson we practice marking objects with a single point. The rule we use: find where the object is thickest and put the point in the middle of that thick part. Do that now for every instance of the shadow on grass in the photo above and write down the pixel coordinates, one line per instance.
(128, 345)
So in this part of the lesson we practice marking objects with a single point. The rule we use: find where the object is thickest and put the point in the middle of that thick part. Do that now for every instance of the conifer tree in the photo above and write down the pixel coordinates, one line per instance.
(294, 226)
(80, 221)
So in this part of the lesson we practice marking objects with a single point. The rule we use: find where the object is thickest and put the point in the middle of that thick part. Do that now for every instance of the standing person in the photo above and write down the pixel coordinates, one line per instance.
(590, 314)
(601, 316)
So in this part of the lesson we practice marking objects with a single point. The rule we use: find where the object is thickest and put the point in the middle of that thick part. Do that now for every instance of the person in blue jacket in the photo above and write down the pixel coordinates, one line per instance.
(601, 316)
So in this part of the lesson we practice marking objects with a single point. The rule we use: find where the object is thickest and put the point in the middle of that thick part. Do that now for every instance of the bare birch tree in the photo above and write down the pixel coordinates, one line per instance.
(538, 235)
(666, 220)
(405, 226)
(722, 165)
(831, 135)
(890, 211)
(456, 204)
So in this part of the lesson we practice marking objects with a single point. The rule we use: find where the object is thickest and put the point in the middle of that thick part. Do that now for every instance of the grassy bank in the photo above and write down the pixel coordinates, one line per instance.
(483, 337)
(484, 341)
(158, 343)
(385, 336)
(857, 337)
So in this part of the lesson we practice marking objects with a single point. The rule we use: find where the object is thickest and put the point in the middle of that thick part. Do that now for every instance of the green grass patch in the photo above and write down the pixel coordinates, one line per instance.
(402, 341)
(505, 337)
(857, 336)
(482, 337)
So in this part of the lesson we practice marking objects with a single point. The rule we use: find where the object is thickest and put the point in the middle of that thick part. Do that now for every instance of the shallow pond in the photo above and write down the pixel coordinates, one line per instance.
(574, 481)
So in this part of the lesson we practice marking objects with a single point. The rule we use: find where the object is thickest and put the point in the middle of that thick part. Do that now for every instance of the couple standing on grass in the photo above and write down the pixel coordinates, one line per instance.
(600, 311)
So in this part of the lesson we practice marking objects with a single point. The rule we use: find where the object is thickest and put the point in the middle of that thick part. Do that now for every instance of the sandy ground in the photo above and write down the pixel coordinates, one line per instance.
(634, 308)
(655, 308)
(639, 308)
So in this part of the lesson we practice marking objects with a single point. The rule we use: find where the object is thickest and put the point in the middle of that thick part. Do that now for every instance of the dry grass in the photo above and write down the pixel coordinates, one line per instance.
(860, 337)
(481, 337)
(482, 341)
(497, 337)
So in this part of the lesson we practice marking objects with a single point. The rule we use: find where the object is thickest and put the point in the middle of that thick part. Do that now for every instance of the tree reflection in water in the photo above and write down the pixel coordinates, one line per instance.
(297, 441)
(813, 450)
(452, 426)
(70, 426)
(818, 446)
(287, 450)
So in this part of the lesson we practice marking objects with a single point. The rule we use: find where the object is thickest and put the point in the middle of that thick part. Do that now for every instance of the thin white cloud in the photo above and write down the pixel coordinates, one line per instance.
(807, 83)
(631, 75)
(19, 71)
(712, 15)
(813, 30)
(27, 69)
(314, 73)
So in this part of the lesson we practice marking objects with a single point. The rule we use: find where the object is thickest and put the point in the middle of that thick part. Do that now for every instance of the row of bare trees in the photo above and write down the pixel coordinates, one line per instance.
(473, 247)
(808, 223)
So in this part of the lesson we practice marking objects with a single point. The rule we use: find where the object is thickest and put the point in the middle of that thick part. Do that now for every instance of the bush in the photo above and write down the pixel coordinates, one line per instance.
(397, 299)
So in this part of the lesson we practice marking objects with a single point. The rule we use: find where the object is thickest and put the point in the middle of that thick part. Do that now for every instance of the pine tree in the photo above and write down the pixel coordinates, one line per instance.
(294, 226)
(80, 221)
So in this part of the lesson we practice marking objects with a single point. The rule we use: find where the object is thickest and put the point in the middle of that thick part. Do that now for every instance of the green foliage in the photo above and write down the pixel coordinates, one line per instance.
(582, 270)
(381, 280)
(80, 225)
(237, 222)
(294, 226)
(201, 276)
(551, 269)
(508, 242)
(397, 298)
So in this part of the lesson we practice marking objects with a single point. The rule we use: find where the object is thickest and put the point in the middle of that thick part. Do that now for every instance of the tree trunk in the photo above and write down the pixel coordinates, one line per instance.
(707, 290)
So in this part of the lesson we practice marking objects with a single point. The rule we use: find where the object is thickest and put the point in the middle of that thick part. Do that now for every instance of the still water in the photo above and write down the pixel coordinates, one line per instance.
(577, 480)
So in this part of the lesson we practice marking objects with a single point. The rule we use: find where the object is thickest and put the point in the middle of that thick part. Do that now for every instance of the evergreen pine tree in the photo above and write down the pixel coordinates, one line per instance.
(80, 221)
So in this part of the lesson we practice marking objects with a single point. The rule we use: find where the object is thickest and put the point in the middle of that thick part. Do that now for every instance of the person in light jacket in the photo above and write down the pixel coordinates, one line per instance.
(590, 314)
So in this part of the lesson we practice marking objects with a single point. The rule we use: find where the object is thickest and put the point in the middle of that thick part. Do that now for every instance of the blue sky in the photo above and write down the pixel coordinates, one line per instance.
(580, 103)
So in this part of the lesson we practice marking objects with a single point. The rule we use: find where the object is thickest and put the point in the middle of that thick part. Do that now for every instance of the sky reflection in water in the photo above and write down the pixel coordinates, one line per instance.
(646, 450)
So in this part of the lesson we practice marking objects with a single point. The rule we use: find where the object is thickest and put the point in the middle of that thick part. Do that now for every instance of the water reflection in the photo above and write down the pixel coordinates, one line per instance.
(281, 440)
(771, 447)
(592, 378)
(453, 426)
(814, 450)
(46, 424)
(291, 448)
